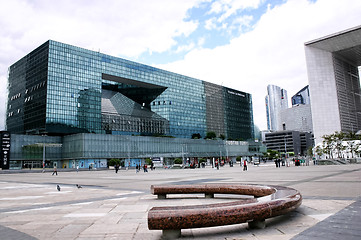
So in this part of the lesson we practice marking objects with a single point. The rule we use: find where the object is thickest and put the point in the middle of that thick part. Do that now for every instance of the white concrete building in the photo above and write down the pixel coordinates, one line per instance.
(332, 66)
(297, 118)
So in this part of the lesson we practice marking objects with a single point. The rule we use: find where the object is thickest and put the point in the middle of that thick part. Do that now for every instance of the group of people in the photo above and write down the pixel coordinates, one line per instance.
(278, 162)
(138, 167)
(145, 168)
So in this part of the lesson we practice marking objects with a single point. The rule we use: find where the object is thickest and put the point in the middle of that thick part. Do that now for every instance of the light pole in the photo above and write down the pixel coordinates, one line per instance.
(285, 146)
(43, 157)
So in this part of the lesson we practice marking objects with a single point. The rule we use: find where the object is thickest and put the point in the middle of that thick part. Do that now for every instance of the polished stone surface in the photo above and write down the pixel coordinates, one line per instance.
(280, 200)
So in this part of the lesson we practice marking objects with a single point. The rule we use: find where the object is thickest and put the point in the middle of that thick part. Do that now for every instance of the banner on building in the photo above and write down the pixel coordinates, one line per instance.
(5, 150)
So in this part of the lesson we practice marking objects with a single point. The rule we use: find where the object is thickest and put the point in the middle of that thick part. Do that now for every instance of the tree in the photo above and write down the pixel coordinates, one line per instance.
(338, 138)
(221, 136)
(358, 149)
(319, 151)
(114, 161)
(352, 147)
(328, 145)
(148, 161)
(178, 161)
(210, 135)
(310, 151)
(196, 136)
(271, 154)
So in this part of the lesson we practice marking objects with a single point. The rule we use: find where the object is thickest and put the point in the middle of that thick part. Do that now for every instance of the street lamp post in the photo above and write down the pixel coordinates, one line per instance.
(43, 157)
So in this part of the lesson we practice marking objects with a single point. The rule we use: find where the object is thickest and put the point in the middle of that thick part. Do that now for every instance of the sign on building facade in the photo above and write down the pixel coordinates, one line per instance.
(5, 150)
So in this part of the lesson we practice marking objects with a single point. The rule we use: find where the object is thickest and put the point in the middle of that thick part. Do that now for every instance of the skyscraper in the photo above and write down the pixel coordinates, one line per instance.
(301, 97)
(276, 100)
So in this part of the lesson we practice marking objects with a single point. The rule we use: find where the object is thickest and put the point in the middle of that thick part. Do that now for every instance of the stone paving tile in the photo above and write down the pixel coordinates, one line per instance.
(113, 206)
(345, 224)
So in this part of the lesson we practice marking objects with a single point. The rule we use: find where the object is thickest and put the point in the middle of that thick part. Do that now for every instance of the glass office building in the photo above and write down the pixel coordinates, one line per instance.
(59, 89)
(276, 101)
(301, 97)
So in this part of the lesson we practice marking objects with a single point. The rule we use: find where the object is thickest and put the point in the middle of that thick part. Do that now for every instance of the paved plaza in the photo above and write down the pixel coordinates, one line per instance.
(115, 206)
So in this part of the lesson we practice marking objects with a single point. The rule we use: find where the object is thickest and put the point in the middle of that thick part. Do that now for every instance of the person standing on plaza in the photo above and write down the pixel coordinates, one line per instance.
(245, 165)
(55, 171)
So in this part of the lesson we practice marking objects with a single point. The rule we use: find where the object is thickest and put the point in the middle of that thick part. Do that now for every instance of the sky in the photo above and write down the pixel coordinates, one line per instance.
(241, 44)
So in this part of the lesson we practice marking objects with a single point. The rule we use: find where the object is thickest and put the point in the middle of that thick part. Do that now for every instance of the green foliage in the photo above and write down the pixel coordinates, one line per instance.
(178, 161)
(162, 135)
(239, 158)
(310, 151)
(319, 151)
(210, 135)
(271, 154)
(201, 160)
(114, 161)
(336, 143)
(196, 136)
(148, 161)
(221, 136)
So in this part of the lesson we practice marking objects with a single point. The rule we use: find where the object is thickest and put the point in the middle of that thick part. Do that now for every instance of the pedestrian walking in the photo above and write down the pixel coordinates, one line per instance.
(77, 168)
(55, 171)
(116, 167)
(245, 165)
(145, 168)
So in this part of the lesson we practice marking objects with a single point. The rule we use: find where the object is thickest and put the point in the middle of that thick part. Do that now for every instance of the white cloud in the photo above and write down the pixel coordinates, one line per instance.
(211, 24)
(241, 22)
(273, 52)
(228, 8)
(185, 48)
(116, 27)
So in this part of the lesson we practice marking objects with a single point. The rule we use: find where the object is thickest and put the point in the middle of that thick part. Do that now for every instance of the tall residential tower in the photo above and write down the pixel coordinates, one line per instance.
(276, 100)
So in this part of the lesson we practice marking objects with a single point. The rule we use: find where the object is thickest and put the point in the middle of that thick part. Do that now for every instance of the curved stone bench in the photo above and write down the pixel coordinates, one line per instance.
(269, 201)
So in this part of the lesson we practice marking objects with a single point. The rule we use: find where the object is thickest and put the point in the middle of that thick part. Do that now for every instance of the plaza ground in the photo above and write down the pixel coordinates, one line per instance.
(115, 206)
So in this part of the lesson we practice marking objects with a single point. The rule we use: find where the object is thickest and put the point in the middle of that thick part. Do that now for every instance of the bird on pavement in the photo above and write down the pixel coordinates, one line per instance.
(78, 186)
(58, 187)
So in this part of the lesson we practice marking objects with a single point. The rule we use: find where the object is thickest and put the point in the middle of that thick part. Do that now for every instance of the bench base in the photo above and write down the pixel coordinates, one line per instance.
(171, 234)
(209, 195)
(257, 224)
(162, 196)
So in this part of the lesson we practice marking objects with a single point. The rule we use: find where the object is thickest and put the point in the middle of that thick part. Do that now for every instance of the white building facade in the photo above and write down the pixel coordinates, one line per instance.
(332, 67)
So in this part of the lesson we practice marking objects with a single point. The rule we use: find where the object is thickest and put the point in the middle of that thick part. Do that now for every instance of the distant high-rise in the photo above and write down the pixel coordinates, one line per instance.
(301, 97)
(298, 117)
(276, 100)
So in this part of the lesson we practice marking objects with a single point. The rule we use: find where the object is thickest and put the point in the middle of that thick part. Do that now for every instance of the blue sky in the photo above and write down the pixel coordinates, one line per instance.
(214, 28)
(242, 44)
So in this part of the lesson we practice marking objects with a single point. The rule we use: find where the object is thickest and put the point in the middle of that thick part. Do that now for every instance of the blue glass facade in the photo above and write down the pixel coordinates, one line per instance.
(301, 97)
(61, 89)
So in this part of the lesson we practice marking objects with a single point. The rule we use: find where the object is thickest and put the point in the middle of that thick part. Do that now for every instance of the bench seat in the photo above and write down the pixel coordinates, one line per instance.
(270, 201)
